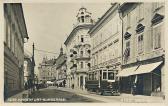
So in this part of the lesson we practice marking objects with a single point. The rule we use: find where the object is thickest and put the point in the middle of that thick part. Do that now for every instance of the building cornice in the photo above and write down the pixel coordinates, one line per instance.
(75, 30)
(106, 15)
(126, 7)
(18, 10)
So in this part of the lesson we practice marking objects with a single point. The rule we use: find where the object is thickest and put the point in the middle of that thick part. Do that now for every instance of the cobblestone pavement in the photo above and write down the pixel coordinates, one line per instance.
(123, 98)
(55, 95)
(68, 95)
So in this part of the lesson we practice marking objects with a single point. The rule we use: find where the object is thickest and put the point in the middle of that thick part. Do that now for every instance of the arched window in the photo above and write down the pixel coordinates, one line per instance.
(79, 19)
(82, 38)
(157, 18)
(82, 18)
(74, 52)
(81, 64)
(140, 28)
(127, 35)
(81, 52)
(87, 18)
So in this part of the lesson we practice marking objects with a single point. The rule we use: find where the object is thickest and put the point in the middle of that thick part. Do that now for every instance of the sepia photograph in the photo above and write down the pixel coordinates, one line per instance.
(84, 52)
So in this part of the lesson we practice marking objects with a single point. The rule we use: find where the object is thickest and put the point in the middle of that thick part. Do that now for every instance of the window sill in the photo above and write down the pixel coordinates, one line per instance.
(157, 48)
(128, 27)
(140, 53)
(140, 20)
(157, 9)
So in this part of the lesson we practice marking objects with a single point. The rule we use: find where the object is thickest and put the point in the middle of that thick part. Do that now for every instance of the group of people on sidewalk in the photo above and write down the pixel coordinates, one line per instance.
(31, 86)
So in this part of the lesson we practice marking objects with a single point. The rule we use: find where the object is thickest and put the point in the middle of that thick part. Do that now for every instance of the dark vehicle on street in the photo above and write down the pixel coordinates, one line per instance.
(102, 82)
(42, 85)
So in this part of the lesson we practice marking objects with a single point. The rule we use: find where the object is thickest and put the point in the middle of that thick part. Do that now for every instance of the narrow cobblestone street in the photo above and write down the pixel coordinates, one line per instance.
(68, 95)
(55, 95)
(84, 52)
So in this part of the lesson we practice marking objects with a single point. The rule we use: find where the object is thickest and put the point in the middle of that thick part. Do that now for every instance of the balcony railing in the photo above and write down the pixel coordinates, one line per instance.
(83, 70)
(82, 57)
(82, 44)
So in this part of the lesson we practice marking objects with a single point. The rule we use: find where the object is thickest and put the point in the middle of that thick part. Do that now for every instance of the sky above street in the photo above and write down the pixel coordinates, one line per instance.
(49, 24)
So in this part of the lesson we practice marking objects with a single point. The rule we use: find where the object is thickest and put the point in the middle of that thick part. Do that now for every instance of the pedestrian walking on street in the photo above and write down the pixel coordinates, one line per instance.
(72, 86)
(37, 87)
(26, 86)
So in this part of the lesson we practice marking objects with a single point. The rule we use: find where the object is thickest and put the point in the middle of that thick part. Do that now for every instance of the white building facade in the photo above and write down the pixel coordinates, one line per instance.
(143, 48)
(106, 46)
(78, 51)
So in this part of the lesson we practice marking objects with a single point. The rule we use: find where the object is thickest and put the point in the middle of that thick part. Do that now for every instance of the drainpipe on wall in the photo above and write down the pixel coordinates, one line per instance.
(121, 43)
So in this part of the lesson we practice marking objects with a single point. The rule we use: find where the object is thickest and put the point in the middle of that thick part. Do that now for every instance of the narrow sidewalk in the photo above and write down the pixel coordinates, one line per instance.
(19, 96)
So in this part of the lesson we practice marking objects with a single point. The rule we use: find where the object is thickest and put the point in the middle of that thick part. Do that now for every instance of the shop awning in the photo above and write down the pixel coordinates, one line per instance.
(60, 81)
(147, 68)
(127, 71)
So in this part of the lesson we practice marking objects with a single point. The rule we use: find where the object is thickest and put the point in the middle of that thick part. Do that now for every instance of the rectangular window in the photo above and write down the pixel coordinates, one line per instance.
(81, 53)
(82, 19)
(6, 31)
(157, 37)
(140, 43)
(128, 48)
(16, 46)
(128, 44)
(96, 58)
(9, 36)
(104, 75)
(81, 64)
(87, 19)
(82, 39)
(13, 42)
(110, 75)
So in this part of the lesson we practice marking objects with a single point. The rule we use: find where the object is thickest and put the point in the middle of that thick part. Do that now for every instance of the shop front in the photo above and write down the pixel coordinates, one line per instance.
(142, 79)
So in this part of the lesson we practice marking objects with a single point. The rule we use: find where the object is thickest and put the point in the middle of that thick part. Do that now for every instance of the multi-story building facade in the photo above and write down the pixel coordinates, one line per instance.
(106, 46)
(15, 36)
(143, 48)
(61, 69)
(78, 50)
(28, 65)
(46, 72)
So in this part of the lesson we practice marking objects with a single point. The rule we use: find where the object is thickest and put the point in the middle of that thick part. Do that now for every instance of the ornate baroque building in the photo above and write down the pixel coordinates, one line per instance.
(78, 50)
(46, 72)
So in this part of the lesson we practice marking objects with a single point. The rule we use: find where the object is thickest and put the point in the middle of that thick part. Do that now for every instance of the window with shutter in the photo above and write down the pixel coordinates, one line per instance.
(157, 37)
(140, 44)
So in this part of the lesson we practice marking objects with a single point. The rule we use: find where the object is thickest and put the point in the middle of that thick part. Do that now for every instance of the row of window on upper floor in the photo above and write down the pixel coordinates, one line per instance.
(82, 65)
(106, 55)
(157, 18)
(12, 40)
(84, 19)
(139, 14)
(109, 30)
(81, 39)
(154, 43)
(114, 43)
